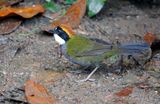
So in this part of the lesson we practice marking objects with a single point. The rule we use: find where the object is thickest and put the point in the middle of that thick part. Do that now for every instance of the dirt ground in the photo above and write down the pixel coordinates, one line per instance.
(28, 53)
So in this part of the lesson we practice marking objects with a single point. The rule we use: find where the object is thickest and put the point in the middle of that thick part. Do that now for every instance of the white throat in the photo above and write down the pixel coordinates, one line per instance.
(59, 39)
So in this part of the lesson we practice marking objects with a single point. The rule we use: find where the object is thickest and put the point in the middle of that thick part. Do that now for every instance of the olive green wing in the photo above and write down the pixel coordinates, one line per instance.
(86, 51)
(81, 46)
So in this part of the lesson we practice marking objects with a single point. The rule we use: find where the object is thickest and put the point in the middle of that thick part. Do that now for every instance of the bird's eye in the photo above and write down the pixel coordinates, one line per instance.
(56, 30)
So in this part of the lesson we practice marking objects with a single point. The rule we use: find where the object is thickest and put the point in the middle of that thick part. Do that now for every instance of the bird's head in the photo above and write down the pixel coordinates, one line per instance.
(62, 34)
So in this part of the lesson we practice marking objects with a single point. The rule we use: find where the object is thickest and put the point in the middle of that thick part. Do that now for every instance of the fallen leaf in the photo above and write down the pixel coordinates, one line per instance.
(37, 94)
(25, 12)
(125, 92)
(149, 38)
(93, 6)
(72, 17)
(8, 25)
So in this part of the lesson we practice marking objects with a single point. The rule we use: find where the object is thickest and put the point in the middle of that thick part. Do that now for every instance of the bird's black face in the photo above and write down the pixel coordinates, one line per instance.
(61, 33)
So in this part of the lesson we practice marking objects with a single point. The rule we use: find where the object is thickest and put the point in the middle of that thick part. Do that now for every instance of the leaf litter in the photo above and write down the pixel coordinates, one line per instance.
(8, 25)
(124, 92)
(72, 17)
(37, 94)
(25, 12)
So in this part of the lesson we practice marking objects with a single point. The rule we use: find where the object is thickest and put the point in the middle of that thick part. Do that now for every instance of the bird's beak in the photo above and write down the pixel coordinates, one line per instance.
(52, 31)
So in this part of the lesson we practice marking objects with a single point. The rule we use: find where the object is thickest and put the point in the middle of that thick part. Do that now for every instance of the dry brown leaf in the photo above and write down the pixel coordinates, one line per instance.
(8, 25)
(125, 92)
(37, 94)
(26, 12)
(72, 17)
(149, 38)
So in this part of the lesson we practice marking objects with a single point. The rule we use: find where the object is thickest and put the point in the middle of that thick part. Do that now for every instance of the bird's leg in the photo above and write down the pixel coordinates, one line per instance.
(121, 69)
(59, 52)
(88, 77)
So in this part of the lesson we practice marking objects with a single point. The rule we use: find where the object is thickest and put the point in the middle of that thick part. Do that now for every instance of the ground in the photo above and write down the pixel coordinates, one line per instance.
(28, 53)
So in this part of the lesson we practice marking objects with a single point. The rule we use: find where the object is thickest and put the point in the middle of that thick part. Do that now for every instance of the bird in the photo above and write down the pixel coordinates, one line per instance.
(93, 52)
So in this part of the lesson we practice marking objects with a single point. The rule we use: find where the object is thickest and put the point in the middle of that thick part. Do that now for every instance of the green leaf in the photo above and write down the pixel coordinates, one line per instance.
(94, 6)
(51, 6)
(69, 1)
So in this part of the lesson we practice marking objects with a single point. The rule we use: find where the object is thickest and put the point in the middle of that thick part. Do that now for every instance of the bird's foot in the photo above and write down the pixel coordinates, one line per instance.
(88, 77)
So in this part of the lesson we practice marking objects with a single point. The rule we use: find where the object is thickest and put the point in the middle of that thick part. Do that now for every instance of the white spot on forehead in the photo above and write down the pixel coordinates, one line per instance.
(59, 39)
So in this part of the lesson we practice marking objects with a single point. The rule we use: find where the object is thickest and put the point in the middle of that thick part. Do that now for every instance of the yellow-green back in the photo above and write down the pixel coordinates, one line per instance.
(87, 51)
